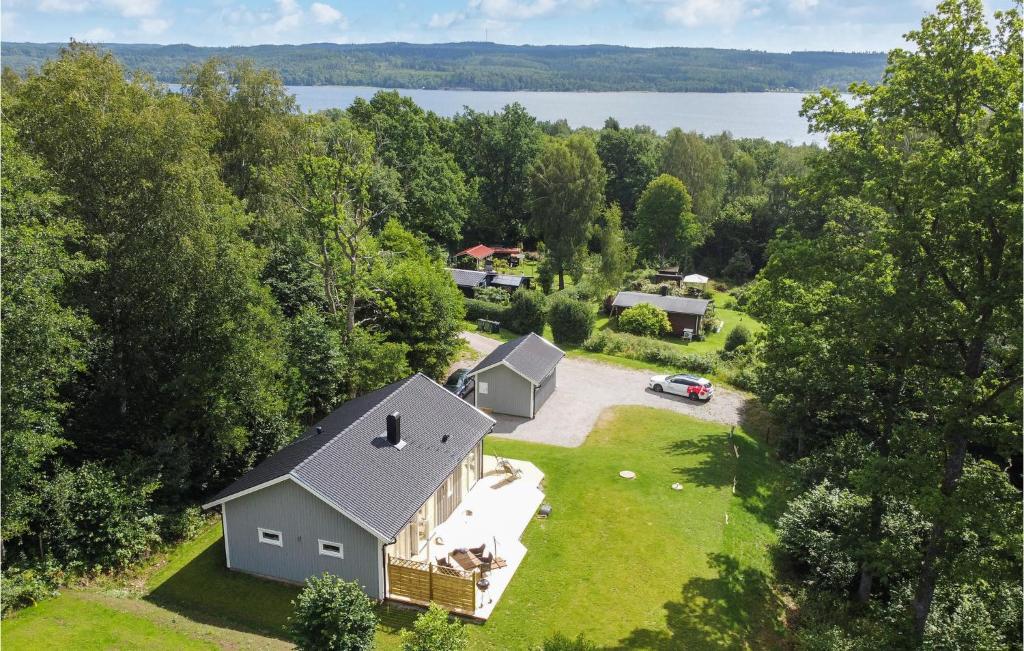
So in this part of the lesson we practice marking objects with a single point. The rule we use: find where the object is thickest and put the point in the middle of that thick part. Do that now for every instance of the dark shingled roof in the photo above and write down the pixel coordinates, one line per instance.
(506, 280)
(468, 277)
(352, 466)
(674, 304)
(532, 356)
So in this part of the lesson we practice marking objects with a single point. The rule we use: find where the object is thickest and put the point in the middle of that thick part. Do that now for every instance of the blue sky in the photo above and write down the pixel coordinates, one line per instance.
(775, 25)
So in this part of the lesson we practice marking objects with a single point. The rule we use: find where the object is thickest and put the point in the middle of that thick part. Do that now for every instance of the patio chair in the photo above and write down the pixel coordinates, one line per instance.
(444, 562)
(486, 563)
(478, 551)
(507, 468)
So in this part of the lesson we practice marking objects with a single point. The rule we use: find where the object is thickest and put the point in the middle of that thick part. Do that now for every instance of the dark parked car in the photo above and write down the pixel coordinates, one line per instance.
(460, 383)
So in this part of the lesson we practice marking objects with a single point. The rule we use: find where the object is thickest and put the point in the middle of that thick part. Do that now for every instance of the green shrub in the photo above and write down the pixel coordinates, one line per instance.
(91, 519)
(182, 525)
(483, 310)
(649, 350)
(20, 588)
(737, 337)
(434, 630)
(560, 642)
(332, 615)
(491, 295)
(526, 312)
(571, 320)
(644, 319)
(545, 275)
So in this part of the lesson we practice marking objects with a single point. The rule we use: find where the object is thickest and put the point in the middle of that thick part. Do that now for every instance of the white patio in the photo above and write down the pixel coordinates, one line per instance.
(495, 512)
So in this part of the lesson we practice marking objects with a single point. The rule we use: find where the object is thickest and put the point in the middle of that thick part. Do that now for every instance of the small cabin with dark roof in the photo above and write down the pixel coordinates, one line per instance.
(358, 486)
(683, 313)
(517, 377)
(468, 280)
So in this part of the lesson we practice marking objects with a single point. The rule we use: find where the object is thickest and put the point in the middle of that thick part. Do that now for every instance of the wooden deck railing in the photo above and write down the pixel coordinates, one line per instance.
(421, 583)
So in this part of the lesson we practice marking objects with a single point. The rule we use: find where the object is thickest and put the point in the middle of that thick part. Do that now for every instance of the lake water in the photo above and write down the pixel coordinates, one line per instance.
(774, 116)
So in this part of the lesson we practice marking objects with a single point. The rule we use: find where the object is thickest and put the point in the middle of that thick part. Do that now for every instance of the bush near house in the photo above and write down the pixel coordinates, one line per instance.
(738, 336)
(526, 313)
(435, 630)
(649, 350)
(560, 642)
(92, 519)
(332, 615)
(571, 320)
(645, 320)
(476, 309)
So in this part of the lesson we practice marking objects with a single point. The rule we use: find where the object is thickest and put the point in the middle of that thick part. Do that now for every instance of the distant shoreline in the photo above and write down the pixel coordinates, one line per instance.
(491, 67)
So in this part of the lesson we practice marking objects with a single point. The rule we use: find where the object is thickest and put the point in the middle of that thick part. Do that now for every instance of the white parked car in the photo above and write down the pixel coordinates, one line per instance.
(688, 386)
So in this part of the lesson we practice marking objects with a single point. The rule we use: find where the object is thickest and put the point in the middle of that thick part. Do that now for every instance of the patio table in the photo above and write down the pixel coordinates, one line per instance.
(466, 559)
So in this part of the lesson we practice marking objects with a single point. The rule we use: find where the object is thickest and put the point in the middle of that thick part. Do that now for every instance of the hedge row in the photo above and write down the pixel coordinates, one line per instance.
(476, 309)
(649, 350)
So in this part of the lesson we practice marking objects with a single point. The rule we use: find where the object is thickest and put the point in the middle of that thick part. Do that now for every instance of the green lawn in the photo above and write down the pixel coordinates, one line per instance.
(632, 564)
(75, 621)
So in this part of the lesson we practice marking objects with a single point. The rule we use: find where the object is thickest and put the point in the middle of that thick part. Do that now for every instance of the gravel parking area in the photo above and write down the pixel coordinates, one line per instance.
(586, 388)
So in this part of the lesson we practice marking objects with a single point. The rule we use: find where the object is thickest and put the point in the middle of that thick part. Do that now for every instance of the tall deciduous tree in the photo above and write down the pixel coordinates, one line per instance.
(409, 140)
(920, 230)
(44, 341)
(617, 256)
(496, 152)
(630, 158)
(666, 228)
(186, 374)
(567, 192)
(701, 168)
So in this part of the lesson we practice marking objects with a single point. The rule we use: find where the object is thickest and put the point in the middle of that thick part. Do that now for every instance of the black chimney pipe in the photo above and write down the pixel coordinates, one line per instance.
(395, 428)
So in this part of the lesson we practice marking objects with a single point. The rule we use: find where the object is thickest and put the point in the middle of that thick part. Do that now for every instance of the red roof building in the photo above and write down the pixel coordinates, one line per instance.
(480, 252)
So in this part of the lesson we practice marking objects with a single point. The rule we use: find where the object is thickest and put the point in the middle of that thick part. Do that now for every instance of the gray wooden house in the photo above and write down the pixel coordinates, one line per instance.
(517, 377)
(369, 480)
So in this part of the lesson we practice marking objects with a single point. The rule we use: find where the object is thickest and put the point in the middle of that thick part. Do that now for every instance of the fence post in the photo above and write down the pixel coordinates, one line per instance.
(430, 581)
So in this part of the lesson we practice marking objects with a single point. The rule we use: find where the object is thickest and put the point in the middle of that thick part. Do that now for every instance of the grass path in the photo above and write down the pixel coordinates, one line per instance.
(631, 564)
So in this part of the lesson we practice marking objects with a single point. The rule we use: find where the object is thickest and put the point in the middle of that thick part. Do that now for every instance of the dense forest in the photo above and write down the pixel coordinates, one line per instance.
(192, 278)
(491, 66)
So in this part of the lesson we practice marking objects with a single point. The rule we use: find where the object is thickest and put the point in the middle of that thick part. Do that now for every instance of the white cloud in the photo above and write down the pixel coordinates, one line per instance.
(64, 6)
(95, 35)
(802, 5)
(153, 26)
(694, 13)
(443, 21)
(514, 10)
(134, 8)
(326, 14)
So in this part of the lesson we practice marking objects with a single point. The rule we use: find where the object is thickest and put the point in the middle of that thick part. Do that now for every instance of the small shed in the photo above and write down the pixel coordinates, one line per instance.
(683, 313)
(517, 377)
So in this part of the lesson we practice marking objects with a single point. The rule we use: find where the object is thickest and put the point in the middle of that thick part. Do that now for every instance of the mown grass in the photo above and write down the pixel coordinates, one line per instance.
(631, 564)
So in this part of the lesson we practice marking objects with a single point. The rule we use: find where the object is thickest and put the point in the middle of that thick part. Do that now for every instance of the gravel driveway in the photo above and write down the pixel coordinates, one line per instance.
(587, 388)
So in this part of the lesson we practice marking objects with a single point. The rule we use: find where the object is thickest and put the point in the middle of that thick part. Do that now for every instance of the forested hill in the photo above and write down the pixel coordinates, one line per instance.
(491, 66)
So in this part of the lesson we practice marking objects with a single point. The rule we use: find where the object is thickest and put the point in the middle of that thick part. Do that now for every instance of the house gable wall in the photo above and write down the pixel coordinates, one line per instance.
(507, 392)
(546, 388)
(303, 520)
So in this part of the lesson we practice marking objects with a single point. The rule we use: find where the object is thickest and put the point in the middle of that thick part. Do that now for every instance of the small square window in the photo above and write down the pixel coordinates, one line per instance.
(270, 537)
(482, 387)
(328, 548)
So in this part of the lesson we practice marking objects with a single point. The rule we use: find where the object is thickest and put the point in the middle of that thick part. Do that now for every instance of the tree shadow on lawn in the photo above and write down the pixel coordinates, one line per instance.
(206, 591)
(733, 610)
(760, 484)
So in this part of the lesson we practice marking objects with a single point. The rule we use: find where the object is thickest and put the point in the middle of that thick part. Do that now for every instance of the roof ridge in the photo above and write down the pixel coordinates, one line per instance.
(355, 422)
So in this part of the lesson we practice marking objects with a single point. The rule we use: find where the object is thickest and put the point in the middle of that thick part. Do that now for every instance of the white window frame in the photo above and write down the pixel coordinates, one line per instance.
(326, 552)
(260, 531)
(482, 386)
